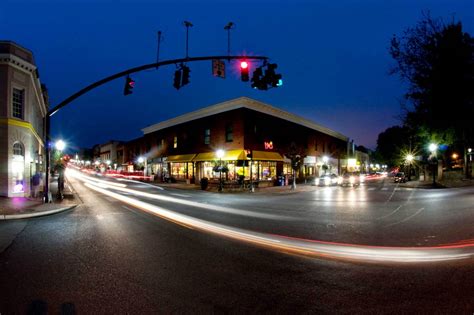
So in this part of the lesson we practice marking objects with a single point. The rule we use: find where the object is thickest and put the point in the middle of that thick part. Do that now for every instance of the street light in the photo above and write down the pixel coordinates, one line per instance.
(142, 159)
(220, 154)
(433, 147)
(409, 158)
(325, 161)
(60, 145)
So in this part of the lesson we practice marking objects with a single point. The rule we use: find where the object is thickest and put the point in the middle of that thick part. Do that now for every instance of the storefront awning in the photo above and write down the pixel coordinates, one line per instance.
(232, 155)
(266, 156)
(180, 158)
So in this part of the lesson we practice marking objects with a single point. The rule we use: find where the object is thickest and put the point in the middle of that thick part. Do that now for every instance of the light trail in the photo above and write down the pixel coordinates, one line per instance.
(311, 248)
(103, 184)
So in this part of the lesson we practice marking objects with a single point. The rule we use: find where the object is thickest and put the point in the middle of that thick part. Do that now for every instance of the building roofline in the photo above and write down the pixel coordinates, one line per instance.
(242, 102)
(3, 41)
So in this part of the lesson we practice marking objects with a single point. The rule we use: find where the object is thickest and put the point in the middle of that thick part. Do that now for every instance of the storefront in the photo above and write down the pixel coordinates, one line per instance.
(181, 167)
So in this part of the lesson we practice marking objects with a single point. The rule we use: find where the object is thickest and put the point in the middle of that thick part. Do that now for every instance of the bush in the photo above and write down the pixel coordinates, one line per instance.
(204, 183)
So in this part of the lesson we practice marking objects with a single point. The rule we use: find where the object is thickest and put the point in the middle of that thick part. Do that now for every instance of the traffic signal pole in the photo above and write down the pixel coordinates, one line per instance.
(54, 110)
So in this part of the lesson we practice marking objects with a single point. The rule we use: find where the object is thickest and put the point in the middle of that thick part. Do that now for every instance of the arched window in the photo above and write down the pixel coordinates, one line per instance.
(18, 149)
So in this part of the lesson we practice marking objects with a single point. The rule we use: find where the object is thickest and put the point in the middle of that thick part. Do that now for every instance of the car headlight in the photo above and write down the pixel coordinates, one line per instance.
(352, 179)
(327, 181)
(339, 180)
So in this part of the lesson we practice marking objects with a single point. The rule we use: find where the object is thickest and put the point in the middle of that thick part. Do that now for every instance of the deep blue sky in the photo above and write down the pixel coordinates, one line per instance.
(333, 56)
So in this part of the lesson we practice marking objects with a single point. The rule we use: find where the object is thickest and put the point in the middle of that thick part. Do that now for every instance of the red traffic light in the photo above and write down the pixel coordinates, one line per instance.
(244, 71)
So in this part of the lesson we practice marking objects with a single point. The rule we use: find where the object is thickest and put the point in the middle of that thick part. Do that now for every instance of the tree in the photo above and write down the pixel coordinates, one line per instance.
(391, 144)
(437, 62)
(296, 154)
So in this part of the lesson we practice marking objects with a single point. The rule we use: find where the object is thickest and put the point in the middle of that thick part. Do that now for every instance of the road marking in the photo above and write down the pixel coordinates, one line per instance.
(384, 188)
(398, 208)
(407, 218)
(372, 188)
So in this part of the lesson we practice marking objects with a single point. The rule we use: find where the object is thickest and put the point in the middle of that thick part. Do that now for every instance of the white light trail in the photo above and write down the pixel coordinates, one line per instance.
(317, 249)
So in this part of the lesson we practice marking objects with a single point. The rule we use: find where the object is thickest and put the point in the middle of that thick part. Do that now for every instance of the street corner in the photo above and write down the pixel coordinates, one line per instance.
(42, 210)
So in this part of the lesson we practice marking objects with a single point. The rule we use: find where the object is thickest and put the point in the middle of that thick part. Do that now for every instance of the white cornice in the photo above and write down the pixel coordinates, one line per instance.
(242, 102)
(29, 68)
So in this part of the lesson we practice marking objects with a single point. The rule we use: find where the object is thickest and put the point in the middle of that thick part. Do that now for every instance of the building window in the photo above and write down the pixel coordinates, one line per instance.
(207, 136)
(175, 142)
(229, 133)
(18, 103)
(18, 149)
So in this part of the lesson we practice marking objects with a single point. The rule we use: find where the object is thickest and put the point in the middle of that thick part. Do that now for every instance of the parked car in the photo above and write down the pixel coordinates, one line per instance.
(326, 180)
(400, 178)
(350, 179)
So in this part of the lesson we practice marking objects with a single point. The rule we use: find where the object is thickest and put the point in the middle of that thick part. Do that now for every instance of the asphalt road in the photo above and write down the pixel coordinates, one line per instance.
(107, 256)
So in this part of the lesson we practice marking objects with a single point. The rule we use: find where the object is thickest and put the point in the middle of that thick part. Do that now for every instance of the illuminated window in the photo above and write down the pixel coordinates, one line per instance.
(18, 149)
(18, 102)
(175, 142)
(207, 136)
(229, 133)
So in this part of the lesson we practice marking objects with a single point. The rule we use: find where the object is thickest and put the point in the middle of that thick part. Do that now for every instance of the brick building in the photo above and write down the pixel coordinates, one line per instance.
(185, 147)
(23, 105)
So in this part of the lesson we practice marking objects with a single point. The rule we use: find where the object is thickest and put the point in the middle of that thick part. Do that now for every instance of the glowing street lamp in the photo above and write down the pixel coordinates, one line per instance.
(60, 145)
(142, 159)
(220, 154)
(409, 158)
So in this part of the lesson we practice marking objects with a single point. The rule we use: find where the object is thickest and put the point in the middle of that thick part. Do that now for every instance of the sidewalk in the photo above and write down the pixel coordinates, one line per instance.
(266, 190)
(22, 207)
(441, 184)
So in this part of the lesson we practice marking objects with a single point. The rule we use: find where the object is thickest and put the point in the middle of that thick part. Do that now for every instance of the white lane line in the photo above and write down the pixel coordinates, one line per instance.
(384, 188)
(407, 218)
(371, 188)
(393, 212)
(181, 195)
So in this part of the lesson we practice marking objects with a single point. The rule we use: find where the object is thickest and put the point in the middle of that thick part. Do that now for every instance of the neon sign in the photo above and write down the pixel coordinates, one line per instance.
(268, 145)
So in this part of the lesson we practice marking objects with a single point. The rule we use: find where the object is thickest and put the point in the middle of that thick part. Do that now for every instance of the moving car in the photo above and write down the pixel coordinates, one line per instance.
(400, 178)
(326, 180)
(350, 179)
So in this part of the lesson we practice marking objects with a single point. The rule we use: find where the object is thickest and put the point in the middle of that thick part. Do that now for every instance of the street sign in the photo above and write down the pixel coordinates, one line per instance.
(218, 68)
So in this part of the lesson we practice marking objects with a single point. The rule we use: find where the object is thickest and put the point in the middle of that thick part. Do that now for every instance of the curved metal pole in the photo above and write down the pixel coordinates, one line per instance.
(141, 68)
(54, 110)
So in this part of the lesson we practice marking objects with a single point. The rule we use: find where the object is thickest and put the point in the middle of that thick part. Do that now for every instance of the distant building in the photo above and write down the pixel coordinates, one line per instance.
(23, 106)
(255, 138)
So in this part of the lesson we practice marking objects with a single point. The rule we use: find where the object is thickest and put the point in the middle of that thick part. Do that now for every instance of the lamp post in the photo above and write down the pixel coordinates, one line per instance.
(60, 146)
(409, 158)
(433, 147)
(142, 159)
(220, 155)
(325, 161)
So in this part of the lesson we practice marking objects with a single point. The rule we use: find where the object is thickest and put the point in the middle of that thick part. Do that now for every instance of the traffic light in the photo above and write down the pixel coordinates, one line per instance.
(129, 85)
(185, 79)
(244, 71)
(258, 81)
(271, 77)
(177, 79)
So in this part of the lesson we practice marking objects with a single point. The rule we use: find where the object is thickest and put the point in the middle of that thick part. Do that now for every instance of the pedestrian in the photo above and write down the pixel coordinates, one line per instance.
(36, 184)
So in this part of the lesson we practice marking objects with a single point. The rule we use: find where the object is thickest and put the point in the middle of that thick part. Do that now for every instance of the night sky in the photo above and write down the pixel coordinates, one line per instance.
(333, 56)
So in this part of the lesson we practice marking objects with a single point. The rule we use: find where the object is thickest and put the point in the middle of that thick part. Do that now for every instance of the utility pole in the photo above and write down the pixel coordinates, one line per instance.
(187, 25)
(228, 27)
(158, 49)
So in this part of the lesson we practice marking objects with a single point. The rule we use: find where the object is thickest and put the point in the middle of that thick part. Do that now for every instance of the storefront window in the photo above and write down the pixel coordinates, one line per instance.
(18, 167)
(178, 170)
(267, 170)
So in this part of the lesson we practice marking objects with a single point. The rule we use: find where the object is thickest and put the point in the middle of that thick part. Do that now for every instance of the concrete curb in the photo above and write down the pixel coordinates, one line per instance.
(35, 214)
